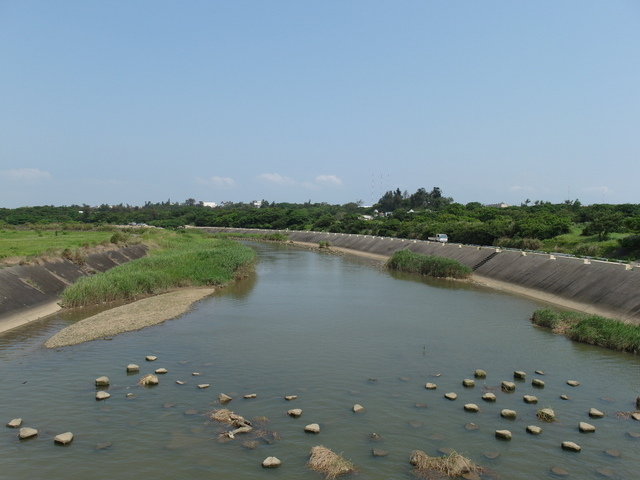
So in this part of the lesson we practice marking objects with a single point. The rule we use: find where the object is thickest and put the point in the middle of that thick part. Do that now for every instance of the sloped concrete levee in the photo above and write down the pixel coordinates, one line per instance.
(604, 288)
(27, 290)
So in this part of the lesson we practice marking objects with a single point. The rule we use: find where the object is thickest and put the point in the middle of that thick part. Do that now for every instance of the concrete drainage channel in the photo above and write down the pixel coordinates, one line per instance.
(599, 287)
(28, 292)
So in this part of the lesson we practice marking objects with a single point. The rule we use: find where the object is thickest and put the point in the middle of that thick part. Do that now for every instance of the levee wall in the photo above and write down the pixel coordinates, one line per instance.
(597, 286)
(29, 286)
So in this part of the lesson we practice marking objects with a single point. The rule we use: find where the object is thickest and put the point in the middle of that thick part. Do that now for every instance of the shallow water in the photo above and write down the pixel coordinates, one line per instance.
(335, 332)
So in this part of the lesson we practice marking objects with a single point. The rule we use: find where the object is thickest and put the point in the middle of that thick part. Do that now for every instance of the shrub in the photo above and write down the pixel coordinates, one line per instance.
(429, 265)
(591, 329)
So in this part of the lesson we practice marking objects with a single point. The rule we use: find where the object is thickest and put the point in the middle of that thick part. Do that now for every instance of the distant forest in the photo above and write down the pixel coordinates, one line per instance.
(598, 230)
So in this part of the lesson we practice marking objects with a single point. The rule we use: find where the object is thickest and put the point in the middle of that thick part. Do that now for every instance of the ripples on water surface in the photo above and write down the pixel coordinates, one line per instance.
(335, 332)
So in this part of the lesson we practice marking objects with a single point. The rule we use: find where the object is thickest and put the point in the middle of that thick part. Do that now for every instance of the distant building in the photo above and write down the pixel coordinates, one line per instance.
(209, 204)
(498, 205)
(256, 203)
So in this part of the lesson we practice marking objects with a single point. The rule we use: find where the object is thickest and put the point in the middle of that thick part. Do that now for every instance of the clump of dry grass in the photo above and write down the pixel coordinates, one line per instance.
(453, 465)
(328, 463)
(225, 415)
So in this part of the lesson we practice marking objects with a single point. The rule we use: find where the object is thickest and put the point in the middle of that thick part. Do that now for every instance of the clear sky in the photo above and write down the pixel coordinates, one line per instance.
(328, 100)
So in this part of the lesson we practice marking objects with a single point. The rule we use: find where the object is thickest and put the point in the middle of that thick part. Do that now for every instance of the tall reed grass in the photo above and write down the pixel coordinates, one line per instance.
(430, 265)
(182, 261)
(591, 329)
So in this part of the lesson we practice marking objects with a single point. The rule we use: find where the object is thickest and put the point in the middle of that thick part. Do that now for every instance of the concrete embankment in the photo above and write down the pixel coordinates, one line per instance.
(603, 288)
(29, 292)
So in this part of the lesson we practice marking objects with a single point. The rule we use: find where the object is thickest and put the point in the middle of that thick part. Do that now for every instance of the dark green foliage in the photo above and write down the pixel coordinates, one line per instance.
(519, 243)
(399, 214)
(430, 265)
(591, 329)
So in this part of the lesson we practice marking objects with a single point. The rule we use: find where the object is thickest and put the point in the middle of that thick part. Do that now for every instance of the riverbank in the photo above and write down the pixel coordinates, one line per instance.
(130, 317)
(30, 292)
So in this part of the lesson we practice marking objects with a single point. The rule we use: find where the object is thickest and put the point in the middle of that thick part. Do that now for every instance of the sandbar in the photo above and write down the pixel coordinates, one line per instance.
(127, 318)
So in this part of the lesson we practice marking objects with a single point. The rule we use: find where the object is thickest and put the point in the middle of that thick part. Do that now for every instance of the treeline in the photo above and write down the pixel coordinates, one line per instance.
(594, 230)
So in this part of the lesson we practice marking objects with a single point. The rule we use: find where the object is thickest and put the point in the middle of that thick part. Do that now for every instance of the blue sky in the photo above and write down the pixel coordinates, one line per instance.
(330, 101)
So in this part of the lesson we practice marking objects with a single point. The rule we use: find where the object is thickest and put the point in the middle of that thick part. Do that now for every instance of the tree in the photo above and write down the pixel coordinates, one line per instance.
(603, 224)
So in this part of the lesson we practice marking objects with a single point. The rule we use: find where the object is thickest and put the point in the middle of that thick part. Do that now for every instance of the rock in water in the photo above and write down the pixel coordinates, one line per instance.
(15, 423)
(312, 428)
(64, 438)
(102, 381)
(222, 398)
(571, 446)
(271, 462)
(26, 432)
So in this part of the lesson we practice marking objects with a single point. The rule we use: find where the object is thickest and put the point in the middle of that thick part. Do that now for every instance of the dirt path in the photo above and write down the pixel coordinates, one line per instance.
(130, 317)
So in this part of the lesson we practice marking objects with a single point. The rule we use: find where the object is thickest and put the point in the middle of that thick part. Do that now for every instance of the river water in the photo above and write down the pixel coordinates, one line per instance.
(335, 332)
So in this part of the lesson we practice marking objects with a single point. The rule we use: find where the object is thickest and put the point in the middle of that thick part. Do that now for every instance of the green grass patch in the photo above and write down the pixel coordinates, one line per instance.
(21, 245)
(429, 265)
(591, 329)
(183, 260)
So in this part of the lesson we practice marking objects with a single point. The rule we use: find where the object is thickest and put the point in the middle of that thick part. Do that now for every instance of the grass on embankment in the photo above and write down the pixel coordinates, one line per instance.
(183, 260)
(429, 265)
(25, 245)
(591, 329)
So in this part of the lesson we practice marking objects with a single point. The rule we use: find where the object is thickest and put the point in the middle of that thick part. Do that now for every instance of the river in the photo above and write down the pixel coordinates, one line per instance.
(335, 332)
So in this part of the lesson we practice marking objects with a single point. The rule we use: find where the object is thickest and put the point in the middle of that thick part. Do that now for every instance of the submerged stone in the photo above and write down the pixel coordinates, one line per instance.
(573, 383)
(294, 412)
(150, 358)
(471, 407)
(530, 399)
(519, 374)
(451, 396)
(480, 374)
(559, 472)
(537, 383)
(132, 367)
(430, 386)
(468, 382)
(376, 452)
(102, 395)
(357, 408)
